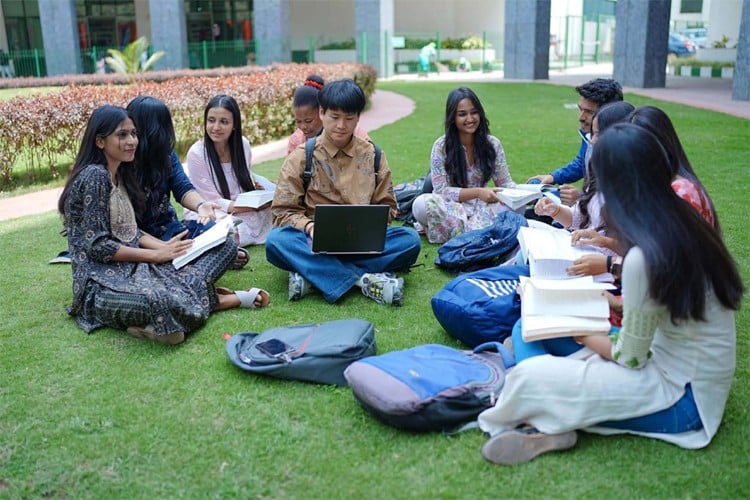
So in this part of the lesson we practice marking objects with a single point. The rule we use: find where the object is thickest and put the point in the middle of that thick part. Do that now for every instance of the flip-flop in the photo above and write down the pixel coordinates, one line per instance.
(240, 262)
(248, 297)
(62, 258)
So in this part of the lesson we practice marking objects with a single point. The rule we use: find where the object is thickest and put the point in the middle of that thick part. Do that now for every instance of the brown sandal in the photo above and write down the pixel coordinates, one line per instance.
(243, 257)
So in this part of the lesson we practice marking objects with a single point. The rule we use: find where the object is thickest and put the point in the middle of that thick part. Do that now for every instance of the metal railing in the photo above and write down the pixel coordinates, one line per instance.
(573, 41)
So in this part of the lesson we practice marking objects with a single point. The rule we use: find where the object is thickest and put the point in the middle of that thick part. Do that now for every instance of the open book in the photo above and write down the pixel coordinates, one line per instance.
(555, 308)
(205, 241)
(254, 199)
(523, 194)
(550, 252)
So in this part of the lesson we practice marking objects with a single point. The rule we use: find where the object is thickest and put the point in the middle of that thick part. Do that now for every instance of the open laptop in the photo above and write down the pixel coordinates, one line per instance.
(350, 229)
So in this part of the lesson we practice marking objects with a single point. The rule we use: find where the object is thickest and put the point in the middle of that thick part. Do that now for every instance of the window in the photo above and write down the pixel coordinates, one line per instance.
(691, 6)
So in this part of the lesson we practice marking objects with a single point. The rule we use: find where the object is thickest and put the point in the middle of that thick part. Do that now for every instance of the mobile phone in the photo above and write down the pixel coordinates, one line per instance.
(274, 348)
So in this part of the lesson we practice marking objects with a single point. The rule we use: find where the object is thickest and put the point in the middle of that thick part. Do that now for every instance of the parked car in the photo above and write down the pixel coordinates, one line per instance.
(680, 46)
(697, 35)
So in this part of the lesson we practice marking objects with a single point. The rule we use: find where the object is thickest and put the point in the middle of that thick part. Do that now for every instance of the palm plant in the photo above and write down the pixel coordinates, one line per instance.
(132, 60)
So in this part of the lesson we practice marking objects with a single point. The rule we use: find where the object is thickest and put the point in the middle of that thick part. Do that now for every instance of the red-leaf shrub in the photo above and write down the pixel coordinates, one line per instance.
(39, 129)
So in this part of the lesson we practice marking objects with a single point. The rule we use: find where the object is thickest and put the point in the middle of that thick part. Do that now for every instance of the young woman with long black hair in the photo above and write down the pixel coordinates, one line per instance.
(219, 167)
(668, 372)
(123, 277)
(463, 162)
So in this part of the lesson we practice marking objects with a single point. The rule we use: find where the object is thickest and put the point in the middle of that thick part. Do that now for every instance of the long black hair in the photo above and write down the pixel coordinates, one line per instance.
(156, 140)
(236, 150)
(607, 115)
(455, 155)
(658, 123)
(102, 123)
(685, 256)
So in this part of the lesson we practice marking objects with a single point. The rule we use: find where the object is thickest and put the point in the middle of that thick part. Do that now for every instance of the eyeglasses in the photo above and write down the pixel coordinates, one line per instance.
(586, 111)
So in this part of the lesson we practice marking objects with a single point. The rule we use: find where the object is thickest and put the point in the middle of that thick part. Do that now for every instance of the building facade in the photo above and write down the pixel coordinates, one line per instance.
(46, 37)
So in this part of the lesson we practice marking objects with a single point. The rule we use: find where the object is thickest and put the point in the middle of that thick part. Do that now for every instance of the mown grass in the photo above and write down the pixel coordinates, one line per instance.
(105, 415)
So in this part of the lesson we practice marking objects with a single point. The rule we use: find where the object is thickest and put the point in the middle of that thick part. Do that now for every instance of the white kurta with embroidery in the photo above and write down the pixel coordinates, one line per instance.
(556, 394)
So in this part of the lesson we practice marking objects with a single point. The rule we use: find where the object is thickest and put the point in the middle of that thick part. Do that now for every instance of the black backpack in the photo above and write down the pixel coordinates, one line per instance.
(310, 148)
(406, 193)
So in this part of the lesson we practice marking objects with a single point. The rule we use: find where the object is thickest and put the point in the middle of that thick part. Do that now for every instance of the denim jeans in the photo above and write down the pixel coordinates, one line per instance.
(563, 346)
(680, 417)
(288, 248)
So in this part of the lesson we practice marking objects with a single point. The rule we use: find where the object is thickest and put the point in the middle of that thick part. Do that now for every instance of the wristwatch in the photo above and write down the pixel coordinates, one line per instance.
(616, 268)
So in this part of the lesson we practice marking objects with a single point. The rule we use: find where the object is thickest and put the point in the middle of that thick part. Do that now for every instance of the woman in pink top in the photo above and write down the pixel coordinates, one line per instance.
(307, 113)
(685, 182)
(219, 167)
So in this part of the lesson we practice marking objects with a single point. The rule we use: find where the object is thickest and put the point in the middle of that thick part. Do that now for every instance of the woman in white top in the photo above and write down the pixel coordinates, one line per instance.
(219, 167)
(667, 374)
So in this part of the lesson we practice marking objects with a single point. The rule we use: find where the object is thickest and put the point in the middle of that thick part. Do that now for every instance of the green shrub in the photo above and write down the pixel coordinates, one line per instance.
(349, 44)
(691, 61)
(475, 42)
(470, 42)
(129, 61)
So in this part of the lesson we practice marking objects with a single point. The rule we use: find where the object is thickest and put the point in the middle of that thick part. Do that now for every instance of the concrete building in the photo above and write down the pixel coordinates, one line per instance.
(71, 36)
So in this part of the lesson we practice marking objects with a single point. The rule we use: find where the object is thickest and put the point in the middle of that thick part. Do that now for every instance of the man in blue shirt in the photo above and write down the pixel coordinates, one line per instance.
(593, 95)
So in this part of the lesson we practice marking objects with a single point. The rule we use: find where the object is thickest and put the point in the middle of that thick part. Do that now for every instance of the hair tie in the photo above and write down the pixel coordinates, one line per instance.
(313, 83)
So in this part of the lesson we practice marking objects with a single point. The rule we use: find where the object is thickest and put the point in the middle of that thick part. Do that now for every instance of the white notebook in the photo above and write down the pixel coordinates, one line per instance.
(561, 308)
(254, 199)
(549, 252)
(205, 241)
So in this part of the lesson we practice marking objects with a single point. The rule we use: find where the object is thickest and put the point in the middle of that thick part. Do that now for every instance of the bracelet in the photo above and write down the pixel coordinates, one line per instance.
(306, 226)
(556, 211)
(198, 206)
(609, 263)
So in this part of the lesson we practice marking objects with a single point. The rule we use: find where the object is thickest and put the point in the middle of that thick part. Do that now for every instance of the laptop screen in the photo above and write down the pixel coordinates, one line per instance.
(350, 229)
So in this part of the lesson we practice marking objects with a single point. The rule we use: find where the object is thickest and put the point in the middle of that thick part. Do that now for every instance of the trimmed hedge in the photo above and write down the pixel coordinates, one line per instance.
(38, 130)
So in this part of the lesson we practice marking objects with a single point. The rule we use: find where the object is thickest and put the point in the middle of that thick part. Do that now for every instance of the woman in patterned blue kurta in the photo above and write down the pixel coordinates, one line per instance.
(123, 278)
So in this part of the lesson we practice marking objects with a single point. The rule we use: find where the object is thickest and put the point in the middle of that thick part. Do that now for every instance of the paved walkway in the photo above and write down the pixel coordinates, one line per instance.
(714, 94)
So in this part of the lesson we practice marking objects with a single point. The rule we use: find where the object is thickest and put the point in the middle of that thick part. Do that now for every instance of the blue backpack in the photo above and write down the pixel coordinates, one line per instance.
(482, 248)
(429, 387)
(481, 306)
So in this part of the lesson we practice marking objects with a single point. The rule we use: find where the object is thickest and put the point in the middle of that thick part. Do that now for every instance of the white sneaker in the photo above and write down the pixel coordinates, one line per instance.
(383, 288)
(298, 286)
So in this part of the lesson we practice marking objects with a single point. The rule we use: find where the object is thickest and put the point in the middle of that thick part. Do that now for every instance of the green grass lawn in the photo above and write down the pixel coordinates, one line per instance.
(107, 416)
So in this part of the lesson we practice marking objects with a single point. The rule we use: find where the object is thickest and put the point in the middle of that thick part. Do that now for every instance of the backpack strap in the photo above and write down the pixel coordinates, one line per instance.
(509, 359)
(310, 148)
(377, 160)
(307, 175)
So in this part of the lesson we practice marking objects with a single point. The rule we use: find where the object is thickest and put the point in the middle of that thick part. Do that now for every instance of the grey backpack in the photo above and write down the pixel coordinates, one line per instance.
(318, 352)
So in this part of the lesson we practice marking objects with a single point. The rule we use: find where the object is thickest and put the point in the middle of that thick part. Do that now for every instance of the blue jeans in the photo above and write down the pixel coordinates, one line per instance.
(563, 346)
(288, 248)
(680, 417)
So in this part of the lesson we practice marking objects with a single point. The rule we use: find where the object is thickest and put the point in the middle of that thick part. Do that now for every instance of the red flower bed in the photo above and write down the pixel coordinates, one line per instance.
(41, 129)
